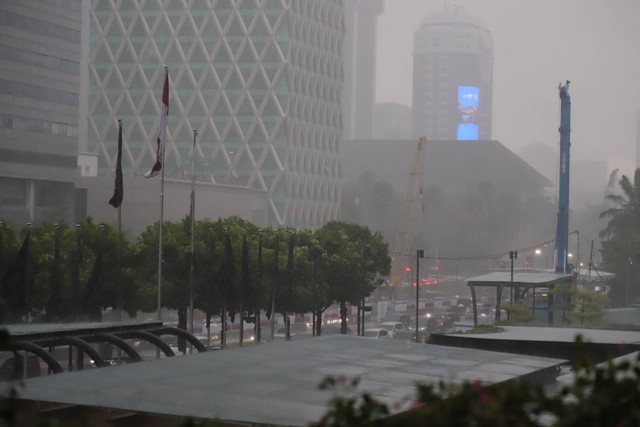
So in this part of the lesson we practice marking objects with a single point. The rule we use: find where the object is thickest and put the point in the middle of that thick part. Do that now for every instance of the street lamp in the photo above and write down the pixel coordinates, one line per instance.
(512, 255)
(537, 253)
(419, 254)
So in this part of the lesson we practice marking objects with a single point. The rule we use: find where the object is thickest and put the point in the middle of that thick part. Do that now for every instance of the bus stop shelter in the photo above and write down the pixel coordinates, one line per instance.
(518, 284)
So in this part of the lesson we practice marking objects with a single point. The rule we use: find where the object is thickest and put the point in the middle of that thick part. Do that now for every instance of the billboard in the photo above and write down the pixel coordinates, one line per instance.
(468, 100)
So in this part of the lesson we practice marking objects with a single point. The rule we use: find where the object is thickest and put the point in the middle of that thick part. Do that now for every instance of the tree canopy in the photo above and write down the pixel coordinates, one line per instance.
(239, 269)
(621, 247)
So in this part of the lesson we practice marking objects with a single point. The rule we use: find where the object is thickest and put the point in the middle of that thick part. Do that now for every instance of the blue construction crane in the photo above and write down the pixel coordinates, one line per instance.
(562, 225)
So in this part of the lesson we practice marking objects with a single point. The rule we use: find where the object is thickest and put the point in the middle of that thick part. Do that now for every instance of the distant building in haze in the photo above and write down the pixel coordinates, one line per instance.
(40, 52)
(259, 81)
(359, 56)
(392, 121)
(637, 139)
(452, 77)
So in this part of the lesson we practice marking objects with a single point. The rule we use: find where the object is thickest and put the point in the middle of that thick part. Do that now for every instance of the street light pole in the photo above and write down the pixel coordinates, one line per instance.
(512, 255)
(419, 254)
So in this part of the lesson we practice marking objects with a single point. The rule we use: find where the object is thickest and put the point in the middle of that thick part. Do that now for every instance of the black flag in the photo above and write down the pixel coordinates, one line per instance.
(16, 285)
(91, 297)
(118, 191)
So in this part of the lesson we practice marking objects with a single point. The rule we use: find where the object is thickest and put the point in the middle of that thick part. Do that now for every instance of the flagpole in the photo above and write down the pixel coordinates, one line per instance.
(116, 202)
(163, 143)
(118, 266)
(193, 221)
(158, 314)
(158, 167)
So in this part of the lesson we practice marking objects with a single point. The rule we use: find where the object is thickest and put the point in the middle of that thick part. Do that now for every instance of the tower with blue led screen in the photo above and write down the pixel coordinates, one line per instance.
(452, 77)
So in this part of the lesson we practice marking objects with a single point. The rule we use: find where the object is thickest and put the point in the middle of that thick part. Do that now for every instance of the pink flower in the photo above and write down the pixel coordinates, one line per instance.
(416, 404)
(485, 399)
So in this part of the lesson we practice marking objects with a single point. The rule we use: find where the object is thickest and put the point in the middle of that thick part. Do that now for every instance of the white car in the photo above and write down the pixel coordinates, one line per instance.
(392, 327)
(376, 333)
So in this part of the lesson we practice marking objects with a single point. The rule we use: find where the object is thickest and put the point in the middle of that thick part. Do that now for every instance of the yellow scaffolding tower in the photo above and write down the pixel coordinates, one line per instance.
(402, 256)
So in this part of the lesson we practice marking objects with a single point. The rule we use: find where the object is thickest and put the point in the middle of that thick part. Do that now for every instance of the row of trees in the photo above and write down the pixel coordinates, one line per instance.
(56, 272)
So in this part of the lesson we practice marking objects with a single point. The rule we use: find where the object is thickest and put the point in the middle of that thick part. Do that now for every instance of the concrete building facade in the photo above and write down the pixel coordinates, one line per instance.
(359, 56)
(40, 51)
(452, 77)
(392, 121)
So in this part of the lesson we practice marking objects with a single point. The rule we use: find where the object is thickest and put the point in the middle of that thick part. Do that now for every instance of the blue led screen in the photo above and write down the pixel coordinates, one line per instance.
(468, 101)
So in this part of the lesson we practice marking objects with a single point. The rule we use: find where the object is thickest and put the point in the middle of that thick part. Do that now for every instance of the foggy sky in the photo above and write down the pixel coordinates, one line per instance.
(537, 45)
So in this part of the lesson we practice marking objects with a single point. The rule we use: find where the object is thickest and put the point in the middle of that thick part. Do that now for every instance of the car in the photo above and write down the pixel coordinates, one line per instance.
(376, 333)
(426, 324)
(398, 317)
(392, 327)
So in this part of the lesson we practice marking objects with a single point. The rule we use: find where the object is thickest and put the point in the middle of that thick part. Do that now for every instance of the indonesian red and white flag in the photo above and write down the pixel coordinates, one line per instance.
(164, 114)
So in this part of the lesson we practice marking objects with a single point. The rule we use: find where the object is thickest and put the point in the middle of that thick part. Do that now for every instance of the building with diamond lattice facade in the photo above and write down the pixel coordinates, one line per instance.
(260, 80)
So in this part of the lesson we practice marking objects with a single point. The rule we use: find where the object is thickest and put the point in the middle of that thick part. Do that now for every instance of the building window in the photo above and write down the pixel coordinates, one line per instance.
(13, 192)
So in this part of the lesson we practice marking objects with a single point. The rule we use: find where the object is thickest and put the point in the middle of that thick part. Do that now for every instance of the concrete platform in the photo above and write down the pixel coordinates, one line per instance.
(559, 334)
(548, 341)
(277, 383)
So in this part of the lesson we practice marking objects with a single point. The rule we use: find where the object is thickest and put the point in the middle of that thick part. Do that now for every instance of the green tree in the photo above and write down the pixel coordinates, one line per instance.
(371, 202)
(621, 247)
(209, 249)
(145, 254)
(17, 282)
(8, 250)
(355, 260)
(624, 215)
(579, 306)
(64, 266)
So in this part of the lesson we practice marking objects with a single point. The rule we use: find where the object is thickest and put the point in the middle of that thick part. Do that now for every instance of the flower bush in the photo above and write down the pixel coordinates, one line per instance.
(598, 396)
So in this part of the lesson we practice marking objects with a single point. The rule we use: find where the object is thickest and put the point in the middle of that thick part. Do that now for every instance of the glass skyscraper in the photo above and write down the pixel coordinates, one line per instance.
(260, 80)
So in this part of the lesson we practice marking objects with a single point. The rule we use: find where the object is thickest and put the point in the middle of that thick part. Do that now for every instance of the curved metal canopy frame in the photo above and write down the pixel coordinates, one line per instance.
(168, 330)
(118, 342)
(84, 346)
(38, 351)
(153, 339)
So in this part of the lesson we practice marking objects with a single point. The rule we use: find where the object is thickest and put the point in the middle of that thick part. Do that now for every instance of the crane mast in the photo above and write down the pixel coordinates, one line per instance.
(562, 225)
(413, 196)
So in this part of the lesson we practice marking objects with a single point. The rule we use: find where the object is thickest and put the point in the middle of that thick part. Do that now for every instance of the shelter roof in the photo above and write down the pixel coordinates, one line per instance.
(37, 331)
(539, 278)
(277, 383)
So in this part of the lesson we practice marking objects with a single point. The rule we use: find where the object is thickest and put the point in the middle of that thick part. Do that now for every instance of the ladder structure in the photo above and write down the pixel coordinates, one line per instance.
(402, 256)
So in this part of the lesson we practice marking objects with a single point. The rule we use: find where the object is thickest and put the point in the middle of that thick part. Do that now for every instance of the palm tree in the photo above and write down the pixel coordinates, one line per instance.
(624, 216)
(621, 249)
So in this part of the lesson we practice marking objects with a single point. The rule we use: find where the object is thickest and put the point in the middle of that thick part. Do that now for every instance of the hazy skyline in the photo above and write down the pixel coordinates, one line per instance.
(537, 45)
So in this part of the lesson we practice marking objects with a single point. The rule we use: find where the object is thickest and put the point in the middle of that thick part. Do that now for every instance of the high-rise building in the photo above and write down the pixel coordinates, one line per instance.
(39, 95)
(452, 77)
(260, 80)
(637, 139)
(359, 56)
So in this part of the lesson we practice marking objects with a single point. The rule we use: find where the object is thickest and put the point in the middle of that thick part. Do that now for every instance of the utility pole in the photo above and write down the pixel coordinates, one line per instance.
(562, 226)
(512, 255)
(419, 254)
